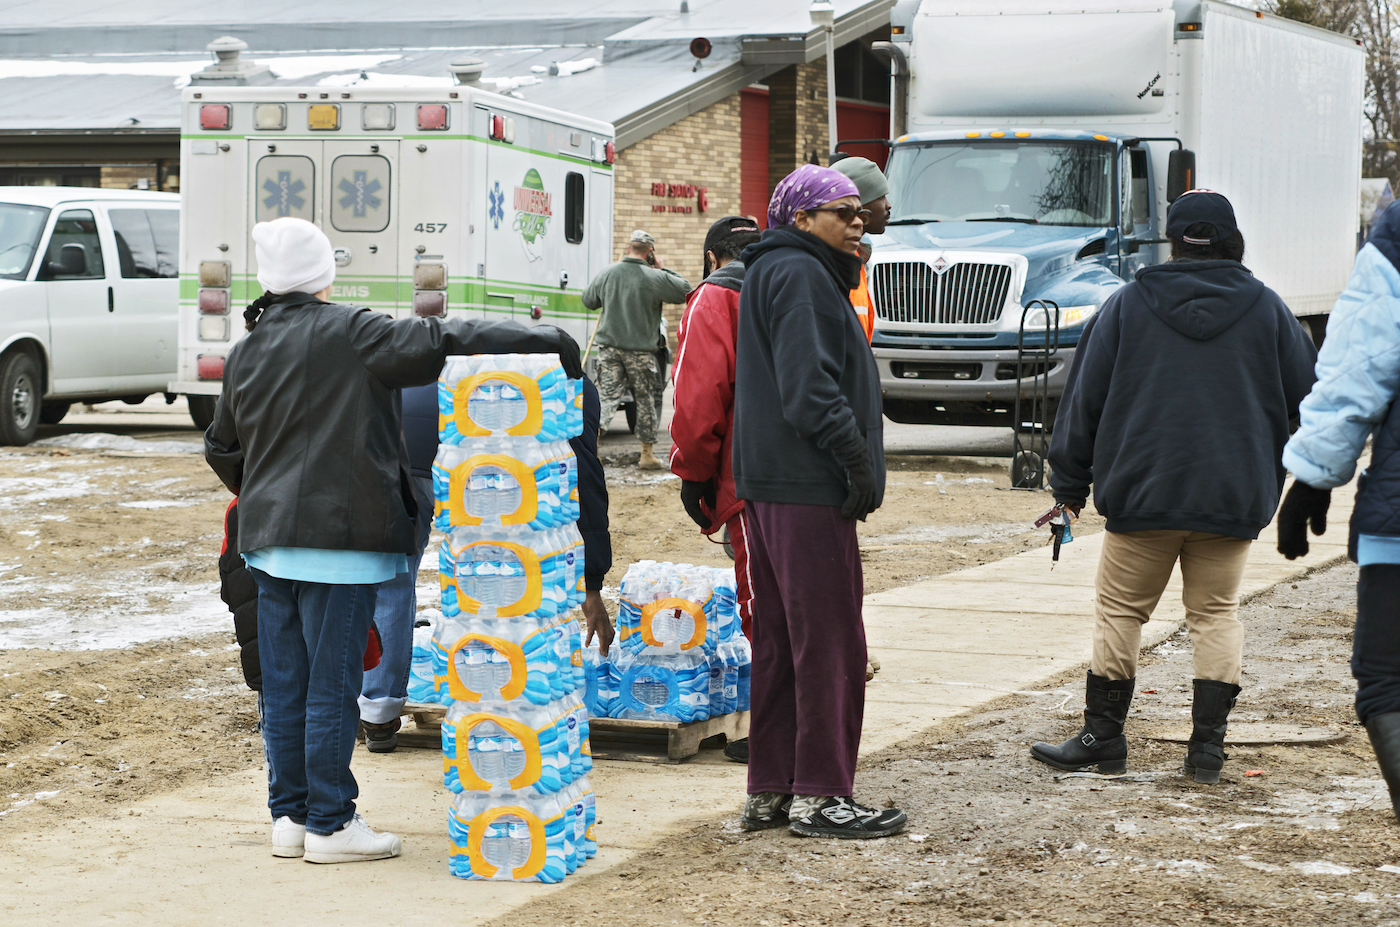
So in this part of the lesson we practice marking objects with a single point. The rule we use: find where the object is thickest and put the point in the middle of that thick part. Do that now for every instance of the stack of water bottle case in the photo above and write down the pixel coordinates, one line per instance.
(506, 653)
(680, 654)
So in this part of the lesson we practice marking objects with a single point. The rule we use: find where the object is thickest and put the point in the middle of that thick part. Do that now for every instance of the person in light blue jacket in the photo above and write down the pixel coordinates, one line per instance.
(1358, 379)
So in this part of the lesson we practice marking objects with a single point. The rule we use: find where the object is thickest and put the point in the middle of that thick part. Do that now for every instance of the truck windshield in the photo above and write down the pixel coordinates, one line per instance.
(1045, 183)
(20, 228)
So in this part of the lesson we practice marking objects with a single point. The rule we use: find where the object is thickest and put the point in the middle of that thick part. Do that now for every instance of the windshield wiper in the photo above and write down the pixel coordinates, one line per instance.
(910, 221)
(1007, 219)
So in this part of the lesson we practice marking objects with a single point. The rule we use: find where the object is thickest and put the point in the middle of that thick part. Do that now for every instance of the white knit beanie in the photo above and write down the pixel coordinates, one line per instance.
(293, 255)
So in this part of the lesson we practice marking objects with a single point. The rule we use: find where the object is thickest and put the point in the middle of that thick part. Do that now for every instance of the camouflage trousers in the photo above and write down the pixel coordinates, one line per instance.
(618, 370)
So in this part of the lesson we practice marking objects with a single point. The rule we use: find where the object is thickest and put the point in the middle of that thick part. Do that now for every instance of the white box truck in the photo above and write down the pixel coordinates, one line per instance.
(439, 202)
(1036, 167)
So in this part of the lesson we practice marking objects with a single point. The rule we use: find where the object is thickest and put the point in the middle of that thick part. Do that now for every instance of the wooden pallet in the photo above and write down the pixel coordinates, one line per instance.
(610, 738)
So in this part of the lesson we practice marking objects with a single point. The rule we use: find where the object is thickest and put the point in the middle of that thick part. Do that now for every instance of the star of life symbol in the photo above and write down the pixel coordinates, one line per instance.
(497, 211)
(285, 194)
(359, 193)
(940, 265)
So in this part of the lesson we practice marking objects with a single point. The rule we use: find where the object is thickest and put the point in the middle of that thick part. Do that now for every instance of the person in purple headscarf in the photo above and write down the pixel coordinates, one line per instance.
(809, 462)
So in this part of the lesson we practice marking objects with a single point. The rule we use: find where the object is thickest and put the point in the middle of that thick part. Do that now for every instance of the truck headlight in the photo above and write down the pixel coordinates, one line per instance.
(1069, 316)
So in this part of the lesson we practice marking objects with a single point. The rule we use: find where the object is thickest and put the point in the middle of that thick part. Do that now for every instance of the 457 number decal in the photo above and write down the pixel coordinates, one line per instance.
(430, 227)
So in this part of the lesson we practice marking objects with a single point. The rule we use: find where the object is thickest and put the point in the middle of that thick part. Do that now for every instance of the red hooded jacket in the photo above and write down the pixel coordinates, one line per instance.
(703, 398)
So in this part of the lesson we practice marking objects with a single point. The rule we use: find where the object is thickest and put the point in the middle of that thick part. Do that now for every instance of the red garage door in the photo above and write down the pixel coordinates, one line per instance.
(862, 120)
(753, 155)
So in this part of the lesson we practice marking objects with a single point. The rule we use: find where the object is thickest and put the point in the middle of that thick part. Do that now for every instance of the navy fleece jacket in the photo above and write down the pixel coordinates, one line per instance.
(1179, 402)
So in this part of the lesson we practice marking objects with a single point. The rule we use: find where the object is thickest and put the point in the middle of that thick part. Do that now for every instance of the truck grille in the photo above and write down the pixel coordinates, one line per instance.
(909, 291)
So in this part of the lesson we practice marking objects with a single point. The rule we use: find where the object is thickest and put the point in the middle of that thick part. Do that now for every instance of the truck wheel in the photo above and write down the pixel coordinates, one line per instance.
(20, 395)
(202, 410)
(1027, 471)
(51, 413)
(629, 409)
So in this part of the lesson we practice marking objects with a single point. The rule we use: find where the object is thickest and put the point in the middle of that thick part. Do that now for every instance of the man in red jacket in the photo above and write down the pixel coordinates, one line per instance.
(703, 401)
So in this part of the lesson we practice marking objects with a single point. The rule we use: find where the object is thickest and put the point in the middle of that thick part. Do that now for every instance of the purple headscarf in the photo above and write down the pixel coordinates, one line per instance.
(804, 188)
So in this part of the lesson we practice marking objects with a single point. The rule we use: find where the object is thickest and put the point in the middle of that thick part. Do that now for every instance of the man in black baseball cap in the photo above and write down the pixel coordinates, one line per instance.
(1176, 410)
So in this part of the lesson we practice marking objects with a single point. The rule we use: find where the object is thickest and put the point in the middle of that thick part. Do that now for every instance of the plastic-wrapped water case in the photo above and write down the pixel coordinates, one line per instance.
(525, 748)
(672, 608)
(582, 809)
(663, 687)
(496, 481)
(600, 682)
(511, 837)
(421, 689)
(499, 662)
(516, 395)
(511, 572)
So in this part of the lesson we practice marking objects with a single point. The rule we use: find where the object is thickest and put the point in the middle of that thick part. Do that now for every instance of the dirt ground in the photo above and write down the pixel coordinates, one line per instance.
(118, 672)
(1293, 835)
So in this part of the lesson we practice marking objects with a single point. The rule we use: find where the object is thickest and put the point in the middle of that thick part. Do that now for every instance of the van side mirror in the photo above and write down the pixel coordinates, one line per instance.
(1181, 173)
(72, 262)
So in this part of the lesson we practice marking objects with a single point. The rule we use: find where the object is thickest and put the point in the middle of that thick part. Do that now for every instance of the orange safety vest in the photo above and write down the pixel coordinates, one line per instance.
(864, 306)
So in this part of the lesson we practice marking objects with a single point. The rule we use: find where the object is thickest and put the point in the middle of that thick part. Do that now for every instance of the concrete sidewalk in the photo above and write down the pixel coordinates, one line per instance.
(947, 645)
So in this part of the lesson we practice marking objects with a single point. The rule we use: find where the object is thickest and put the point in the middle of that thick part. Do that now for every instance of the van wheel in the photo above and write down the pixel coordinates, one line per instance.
(20, 395)
(51, 413)
(202, 410)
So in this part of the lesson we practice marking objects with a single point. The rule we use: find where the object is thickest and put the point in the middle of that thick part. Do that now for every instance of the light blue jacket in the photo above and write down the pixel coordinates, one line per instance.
(1358, 375)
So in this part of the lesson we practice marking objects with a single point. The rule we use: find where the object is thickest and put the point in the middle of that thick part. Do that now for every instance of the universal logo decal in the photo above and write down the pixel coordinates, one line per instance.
(532, 212)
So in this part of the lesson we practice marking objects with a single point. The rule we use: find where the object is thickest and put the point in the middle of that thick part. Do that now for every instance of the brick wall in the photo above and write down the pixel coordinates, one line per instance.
(123, 176)
(702, 150)
(797, 124)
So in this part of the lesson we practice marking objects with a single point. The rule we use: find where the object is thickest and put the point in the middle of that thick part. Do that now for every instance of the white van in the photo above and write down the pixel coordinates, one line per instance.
(89, 284)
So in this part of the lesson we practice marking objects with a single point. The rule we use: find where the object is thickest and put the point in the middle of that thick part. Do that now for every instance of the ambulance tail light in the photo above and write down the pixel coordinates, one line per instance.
(432, 117)
(610, 153)
(213, 302)
(210, 366)
(213, 328)
(428, 303)
(214, 273)
(498, 128)
(213, 116)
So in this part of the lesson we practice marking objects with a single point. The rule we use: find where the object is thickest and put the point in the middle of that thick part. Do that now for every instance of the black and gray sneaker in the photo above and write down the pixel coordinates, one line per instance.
(764, 810)
(737, 750)
(846, 819)
(381, 738)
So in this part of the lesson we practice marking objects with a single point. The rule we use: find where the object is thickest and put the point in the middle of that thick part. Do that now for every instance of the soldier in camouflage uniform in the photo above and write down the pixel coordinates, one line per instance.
(630, 293)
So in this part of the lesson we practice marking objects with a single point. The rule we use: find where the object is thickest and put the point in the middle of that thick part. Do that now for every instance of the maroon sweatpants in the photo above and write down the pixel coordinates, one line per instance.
(807, 693)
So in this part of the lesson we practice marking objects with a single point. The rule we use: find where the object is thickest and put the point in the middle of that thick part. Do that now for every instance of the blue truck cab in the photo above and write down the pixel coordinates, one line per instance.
(983, 224)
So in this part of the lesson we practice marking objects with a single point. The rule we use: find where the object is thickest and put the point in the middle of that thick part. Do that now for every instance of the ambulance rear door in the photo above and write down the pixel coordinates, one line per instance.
(362, 221)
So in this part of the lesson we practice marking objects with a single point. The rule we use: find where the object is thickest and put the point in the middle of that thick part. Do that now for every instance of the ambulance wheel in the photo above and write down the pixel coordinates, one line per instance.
(1027, 471)
(51, 413)
(20, 396)
(202, 410)
(629, 409)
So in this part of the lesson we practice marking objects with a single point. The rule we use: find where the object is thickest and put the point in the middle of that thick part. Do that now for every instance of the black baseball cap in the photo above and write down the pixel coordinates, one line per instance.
(727, 226)
(1201, 206)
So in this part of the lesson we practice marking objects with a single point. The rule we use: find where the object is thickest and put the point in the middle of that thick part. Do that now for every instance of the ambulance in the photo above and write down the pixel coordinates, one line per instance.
(453, 202)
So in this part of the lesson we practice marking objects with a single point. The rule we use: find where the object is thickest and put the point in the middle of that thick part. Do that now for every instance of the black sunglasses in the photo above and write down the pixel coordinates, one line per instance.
(844, 213)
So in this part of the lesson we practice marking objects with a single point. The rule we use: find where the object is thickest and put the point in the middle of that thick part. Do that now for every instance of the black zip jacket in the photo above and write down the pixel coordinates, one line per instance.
(307, 429)
(804, 376)
(1178, 405)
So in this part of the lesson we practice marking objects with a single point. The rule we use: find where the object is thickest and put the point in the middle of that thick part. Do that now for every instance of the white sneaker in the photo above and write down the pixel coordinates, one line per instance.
(352, 843)
(288, 838)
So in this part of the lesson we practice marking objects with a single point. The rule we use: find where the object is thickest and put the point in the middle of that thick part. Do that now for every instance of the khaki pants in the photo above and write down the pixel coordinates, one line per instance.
(1134, 569)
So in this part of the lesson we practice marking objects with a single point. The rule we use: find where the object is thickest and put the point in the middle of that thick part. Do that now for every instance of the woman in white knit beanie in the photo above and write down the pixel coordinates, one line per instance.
(306, 432)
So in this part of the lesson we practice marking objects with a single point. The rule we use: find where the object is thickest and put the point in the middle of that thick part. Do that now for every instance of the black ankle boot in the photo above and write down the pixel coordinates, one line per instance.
(1100, 741)
(1385, 740)
(1210, 714)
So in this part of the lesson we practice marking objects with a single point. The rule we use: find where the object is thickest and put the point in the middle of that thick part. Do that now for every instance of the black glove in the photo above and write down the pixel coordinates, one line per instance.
(1303, 506)
(853, 454)
(691, 494)
(569, 355)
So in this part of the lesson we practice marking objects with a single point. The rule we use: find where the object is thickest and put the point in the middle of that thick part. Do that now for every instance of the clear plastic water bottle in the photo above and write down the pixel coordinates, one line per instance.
(741, 643)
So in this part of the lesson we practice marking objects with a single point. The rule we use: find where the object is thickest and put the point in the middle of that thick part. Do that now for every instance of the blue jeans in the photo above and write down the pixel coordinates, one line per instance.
(386, 686)
(311, 643)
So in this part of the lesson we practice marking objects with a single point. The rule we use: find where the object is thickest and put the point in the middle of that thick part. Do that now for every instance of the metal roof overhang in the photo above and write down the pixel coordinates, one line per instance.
(79, 144)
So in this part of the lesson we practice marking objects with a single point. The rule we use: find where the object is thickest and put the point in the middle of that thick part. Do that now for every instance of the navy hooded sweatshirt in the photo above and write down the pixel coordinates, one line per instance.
(1178, 405)
(804, 377)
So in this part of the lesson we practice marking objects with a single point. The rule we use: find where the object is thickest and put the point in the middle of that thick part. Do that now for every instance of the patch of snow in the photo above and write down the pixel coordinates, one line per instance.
(101, 441)
(380, 79)
(507, 84)
(138, 612)
(304, 66)
(1262, 867)
(156, 504)
(973, 534)
(1320, 867)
